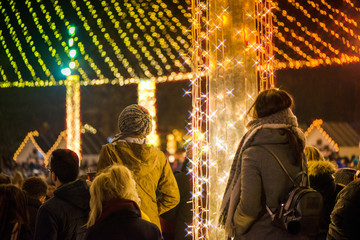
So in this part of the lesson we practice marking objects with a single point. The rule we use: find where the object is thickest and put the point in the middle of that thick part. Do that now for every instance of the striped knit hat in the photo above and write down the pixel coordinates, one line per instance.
(135, 119)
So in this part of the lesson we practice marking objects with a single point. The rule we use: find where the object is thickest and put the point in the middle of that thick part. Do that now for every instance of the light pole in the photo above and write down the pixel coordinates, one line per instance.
(72, 83)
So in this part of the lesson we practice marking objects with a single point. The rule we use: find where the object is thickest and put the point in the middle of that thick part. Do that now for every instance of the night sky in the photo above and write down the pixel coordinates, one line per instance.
(330, 93)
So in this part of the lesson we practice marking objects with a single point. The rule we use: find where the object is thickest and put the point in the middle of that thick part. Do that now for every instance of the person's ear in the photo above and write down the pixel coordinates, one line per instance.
(42, 199)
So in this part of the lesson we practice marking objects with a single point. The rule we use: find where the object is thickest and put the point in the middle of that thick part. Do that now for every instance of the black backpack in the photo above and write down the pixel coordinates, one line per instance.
(301, 212)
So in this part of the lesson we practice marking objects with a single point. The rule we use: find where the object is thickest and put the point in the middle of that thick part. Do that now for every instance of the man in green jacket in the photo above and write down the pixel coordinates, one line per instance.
(156, 183)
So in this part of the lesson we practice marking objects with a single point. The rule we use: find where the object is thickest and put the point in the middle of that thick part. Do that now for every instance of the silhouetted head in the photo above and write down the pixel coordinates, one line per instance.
(65, 164)
(35, 187)
(13, 207)
(4, 179)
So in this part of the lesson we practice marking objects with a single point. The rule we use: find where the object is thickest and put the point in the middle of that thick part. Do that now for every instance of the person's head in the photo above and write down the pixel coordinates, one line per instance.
(13, 206)
(270, 101)
(321, 177)
(64, 163)
(114, 182)
(17, 179)
(35, 187)
(313, 154)
(4, 179)
(344, 176)
(135, 119)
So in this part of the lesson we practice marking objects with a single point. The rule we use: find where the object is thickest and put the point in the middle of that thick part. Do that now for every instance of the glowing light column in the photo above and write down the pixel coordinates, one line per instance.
(72, 83)
(147, 99)
(232, 86)
(225, 82)
(73, 125)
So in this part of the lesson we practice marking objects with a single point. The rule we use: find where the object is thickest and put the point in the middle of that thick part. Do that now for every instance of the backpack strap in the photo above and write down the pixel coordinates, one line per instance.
(302, 173)
(282, 165)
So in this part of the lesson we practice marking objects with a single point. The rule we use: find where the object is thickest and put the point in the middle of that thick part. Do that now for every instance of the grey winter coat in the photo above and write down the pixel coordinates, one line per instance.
(264, 182)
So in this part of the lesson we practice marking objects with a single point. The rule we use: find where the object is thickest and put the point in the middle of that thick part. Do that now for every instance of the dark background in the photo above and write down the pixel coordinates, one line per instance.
(330, 93)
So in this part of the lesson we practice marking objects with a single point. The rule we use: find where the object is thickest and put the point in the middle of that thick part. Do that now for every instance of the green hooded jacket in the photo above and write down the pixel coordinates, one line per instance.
(156, 184)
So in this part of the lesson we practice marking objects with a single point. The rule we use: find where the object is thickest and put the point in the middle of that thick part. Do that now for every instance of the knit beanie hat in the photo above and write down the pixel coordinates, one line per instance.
(135, 119)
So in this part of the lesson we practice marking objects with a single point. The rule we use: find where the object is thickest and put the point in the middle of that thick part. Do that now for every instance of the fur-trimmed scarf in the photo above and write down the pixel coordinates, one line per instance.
(281, 119)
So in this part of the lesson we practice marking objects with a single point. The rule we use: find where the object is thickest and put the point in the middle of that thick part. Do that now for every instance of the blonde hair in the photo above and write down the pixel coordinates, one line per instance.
(114, 182)
(313, 154)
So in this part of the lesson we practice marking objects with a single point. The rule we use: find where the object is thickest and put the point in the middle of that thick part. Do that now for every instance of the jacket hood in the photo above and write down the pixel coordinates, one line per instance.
(140, 158)
(320, 167)
(75, 193)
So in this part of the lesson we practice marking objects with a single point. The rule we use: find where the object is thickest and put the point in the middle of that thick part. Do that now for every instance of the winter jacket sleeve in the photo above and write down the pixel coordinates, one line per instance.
(250, 206)
(46, 225)
(170, 196)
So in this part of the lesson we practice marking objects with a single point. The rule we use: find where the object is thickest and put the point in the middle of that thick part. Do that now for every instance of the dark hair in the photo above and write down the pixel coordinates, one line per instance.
(35, 187)
(65, 164)
(274, 100)
(18, 178)
(4, 179)
(13, 207)
(271, 101)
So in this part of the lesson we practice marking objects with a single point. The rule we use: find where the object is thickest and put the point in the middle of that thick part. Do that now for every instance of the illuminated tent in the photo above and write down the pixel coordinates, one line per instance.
(333, 137)
(28, 148)
(46, 143)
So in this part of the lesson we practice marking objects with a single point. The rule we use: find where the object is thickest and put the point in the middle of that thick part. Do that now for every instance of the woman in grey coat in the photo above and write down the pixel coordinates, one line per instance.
(256, 180)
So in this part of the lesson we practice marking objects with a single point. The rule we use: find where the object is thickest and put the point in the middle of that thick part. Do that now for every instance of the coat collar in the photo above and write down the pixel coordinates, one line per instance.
(115, 205)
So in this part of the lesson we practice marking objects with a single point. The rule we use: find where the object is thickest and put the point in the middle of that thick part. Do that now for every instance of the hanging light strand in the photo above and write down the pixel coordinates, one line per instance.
(44, 36)
(135, 50)
(61, 15)
(115, 49)
(95, 40)
(29, 40)
(11, 58)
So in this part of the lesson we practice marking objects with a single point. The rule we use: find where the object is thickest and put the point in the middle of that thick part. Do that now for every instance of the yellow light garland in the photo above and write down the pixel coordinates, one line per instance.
(95, 40)
(324, 59)
(30, 136)
(60, 138)
(44, 36)
(317, 124)
(29, 40)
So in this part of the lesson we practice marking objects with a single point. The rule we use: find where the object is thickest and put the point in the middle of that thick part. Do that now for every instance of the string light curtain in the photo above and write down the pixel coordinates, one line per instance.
(225, 63)
(119, 42)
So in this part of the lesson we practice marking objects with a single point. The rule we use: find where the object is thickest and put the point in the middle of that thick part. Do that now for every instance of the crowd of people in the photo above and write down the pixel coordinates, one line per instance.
(138, 194)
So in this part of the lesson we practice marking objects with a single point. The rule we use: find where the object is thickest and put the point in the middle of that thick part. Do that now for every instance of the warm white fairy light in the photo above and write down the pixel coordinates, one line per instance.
(223, 94)
(73, 125)
(147, 98)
